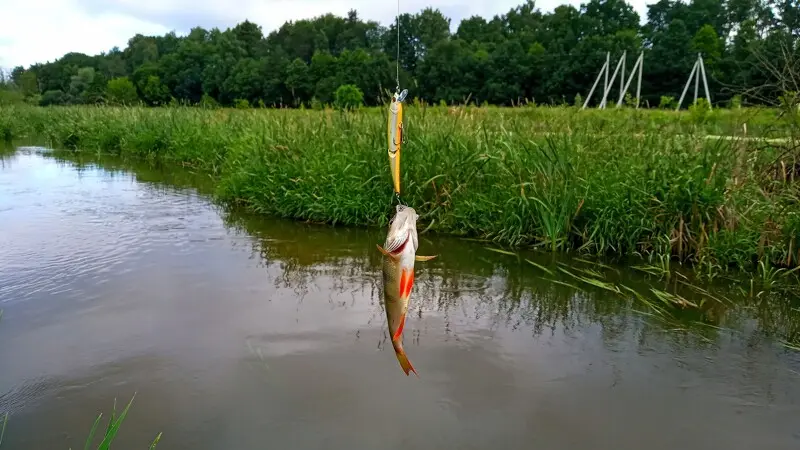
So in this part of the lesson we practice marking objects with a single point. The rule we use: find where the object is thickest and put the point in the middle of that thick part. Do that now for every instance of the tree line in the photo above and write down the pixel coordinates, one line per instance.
(522, 55)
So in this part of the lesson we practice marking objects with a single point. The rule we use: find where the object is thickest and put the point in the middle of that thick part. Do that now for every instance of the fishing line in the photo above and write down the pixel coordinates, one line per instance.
(397, 61)
(396, 135)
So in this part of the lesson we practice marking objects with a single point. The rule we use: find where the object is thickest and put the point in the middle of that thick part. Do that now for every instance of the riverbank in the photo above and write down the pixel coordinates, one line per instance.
(614, 182)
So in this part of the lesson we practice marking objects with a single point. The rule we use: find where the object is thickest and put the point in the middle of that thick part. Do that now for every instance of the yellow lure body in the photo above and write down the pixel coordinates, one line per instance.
(395, 137)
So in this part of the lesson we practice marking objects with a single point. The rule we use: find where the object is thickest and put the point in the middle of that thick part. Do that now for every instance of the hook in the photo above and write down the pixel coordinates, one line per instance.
(403, 138)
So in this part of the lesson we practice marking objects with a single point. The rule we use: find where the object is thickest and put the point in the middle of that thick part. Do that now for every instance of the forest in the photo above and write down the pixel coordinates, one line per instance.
(522, 56)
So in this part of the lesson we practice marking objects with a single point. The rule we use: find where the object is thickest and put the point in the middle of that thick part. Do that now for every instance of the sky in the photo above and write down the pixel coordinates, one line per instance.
(43, 30)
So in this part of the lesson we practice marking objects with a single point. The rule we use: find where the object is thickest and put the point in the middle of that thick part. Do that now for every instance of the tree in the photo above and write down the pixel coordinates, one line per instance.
(154, 92)
(522, 53)
(246, 81)
(79, 84)
(710, 46)
(28, 84)
(298, 81)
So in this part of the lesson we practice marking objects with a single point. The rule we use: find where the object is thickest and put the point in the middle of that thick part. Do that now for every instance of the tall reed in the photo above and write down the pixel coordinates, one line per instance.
(613, 182)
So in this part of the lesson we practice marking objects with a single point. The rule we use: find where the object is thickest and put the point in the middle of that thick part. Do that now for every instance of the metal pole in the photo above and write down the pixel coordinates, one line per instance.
(696, 79)
(608, 65)
(705, 82)
(622, 74)
(605, 94)
(597, 80)
(627, 85)
(639, 83)
(686, 88)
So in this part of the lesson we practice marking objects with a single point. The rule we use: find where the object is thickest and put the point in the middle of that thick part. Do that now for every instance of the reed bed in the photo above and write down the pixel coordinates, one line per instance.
(616, 182)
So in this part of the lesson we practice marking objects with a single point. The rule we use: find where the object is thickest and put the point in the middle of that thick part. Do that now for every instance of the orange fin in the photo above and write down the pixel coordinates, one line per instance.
(405, 363)
(402, 284)
(406, 283)
(399, 331)
(424, 258)
(386, 253)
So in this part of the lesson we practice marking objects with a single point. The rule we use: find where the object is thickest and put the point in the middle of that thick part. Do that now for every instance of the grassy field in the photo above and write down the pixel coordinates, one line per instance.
(611, 182)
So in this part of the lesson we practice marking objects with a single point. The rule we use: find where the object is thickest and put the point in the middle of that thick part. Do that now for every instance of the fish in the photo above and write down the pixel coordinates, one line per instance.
(399, 254)
(396, 136)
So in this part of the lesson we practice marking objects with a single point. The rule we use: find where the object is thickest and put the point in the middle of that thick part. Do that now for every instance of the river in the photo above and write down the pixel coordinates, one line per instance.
(240, 332)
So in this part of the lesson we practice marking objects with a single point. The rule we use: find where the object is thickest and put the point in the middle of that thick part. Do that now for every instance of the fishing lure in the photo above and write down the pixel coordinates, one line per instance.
(396, 136)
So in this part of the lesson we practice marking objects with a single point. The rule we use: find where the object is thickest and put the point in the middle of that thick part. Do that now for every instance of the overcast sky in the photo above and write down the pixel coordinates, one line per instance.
(43, 30)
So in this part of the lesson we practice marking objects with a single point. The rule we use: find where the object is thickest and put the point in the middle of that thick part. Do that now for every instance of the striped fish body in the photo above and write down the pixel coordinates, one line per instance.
(399, 254)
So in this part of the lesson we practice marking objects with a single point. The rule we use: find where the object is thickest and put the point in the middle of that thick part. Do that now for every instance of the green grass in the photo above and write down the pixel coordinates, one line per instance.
(3, 428)
(112, 429)
(613, 182)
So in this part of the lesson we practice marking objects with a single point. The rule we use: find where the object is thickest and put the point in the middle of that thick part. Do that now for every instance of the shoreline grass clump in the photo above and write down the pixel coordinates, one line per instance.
(107, 438)
(613, 182)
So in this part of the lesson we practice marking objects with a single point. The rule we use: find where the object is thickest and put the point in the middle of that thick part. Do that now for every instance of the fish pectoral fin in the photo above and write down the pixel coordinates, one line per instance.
(385, 252)
(424, 258)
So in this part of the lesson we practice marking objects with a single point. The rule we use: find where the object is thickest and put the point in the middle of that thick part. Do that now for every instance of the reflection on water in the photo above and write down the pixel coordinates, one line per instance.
(242, 332)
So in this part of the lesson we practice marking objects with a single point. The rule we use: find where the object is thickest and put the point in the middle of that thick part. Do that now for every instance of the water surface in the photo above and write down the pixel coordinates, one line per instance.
(237, 332)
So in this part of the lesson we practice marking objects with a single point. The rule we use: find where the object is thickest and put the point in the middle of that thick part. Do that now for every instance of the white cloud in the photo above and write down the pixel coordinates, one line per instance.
(43, 30)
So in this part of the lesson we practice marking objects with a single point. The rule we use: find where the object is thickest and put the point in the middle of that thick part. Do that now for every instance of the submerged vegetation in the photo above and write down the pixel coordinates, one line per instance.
(114, 424)
(3, 428)
(107, 438)
(623, 182)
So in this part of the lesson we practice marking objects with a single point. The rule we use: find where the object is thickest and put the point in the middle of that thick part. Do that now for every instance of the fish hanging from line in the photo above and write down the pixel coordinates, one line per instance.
(396, 136)
(399, 254)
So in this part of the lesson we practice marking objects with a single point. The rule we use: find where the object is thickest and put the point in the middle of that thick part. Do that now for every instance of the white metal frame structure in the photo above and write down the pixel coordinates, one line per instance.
(623, 86)
(639, 63)
(697, 69)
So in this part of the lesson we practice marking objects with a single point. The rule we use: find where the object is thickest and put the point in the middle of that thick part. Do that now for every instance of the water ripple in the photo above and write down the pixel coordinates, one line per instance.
(59, 232)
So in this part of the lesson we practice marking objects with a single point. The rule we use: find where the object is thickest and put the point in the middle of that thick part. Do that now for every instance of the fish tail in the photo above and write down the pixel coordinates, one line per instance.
(404, 362)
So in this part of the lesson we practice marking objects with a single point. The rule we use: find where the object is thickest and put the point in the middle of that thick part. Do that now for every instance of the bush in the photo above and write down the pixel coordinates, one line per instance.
(208, 101)
(667, 102)
(10, 97)
(349, 96)
(700, 111)
(120, 91)
(55, 97)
